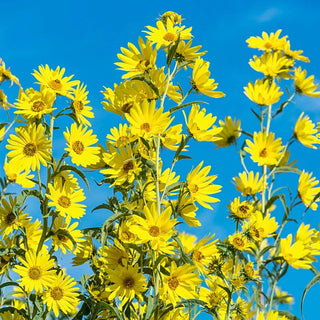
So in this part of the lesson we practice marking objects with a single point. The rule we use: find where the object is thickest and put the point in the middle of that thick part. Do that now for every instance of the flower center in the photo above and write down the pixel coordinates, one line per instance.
(62, 238)
(30, 149)
(128, 283)
(78, 147)
(35, 273)
(143, 65)
(77, 105)
(169, 37)
(12, 177)
(238, 242)
(55, 84)
(127, 106)
(123, 139)
(154, 231)
(128, 166)
(263, 153)
(10, 218)
(268, 45)
(193, 188)
(64, 202)
(145, 126)
(198, 256)
(173, 283)
(56, 293)
(38, 106)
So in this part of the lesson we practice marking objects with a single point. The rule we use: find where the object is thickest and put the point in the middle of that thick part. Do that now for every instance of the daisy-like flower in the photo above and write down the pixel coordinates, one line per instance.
(308, 189)
(186, 209)
(267, 42)
(201, 125)
(5, 74)
(30, 146)
(62, 295)
(157, 229)
(230, 132)
(272, 64)
(146, 121)
(123, 167)
(172, 137)
(264, 149)
(62, 228)
(173, 16)
(66, 201)
(201, 81)
(305, 131)
(121, 136)
(85, 251)
(304, 85)
(239, 241)
(36, 271)
(34, 104)
(10, 221)
(128, 283)
(294, 54)
(248, 184)
(16, 173)
(241, 209)
(200, 186)
(79, 146)
(165, 34)
(262, 93)
(80, 106)
(185, 52)
(137, 62)
(180, 284)
(272, 315)
(55, 80)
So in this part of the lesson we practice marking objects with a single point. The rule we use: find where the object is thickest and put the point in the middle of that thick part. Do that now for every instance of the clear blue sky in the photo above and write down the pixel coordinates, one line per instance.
(85, 37)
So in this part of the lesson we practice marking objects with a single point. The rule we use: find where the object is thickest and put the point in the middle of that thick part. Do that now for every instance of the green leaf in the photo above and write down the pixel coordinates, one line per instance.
(287, 169)
(77, 171)
(151, 306)
(150, 84)
(172, 51)
(259, 118)
(181, 106)
(22, 198)
(10, 283)
(94, 232)
(307, 288)
(101, 206)
(102, 306)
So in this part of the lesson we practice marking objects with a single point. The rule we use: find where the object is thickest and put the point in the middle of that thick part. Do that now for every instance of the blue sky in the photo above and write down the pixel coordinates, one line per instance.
(85, 37)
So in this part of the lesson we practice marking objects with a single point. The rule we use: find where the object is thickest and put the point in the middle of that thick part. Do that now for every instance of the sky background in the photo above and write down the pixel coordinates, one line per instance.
(85, 37)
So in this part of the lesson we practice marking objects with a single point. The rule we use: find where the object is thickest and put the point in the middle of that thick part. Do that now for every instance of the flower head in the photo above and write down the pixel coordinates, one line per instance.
(230, 132)
(308, 190)
(248, 184)
(304, 85)
(267, 42)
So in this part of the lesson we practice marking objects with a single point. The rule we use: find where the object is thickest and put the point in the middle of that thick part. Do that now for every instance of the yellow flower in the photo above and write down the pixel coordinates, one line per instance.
(305, 131)
(262, 93)
(187, 53)
(230, 132)
(3, 102)
(55, 80)
(172, 137)
(66, 201)
(128, 282)
(201, 81)
(273, 315)
(264, 149)
(30, 146)
(5, 74)
(239, 241)
(121, 136)
(295, 254)
(305, 85)
(79, 104)
(272, 64)
(135, 62)
(293, 54)
(146, 121)
(186, 209)
(16, 173)
(62, 295)
(307, 190)
(84, 252)
(34, 104)
(173, 16)
(241, 210)
(248, 184)
(201, 125)
(165, 34)
(267, 42)
(36, 271)
(200, 186)
(11, 315)
(2, 131)
(180, 284)
(79, 141)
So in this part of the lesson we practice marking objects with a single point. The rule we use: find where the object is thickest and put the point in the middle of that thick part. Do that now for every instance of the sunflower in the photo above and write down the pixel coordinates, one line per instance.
(262, 93)
(165, 34)
(62, 295)
(201, 81)
(63, 232)
(121, 136)
(305, 131)
(36, 271)
(55, 80)
(308, 190)
(240, 210)
(30, 146)
(128, 283)
(264, 149)
(180, 284)
(239, 241)
(267, 42)
(10, 221)
(135, 62)
(185, 52)
(66, 201)
(200, 186)
(79, 142)
(230, 132)
(305, 85)
(248, 184)
(201, 125)
(34, 104)
(146, 121)
(79, 105)
(16, 173)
